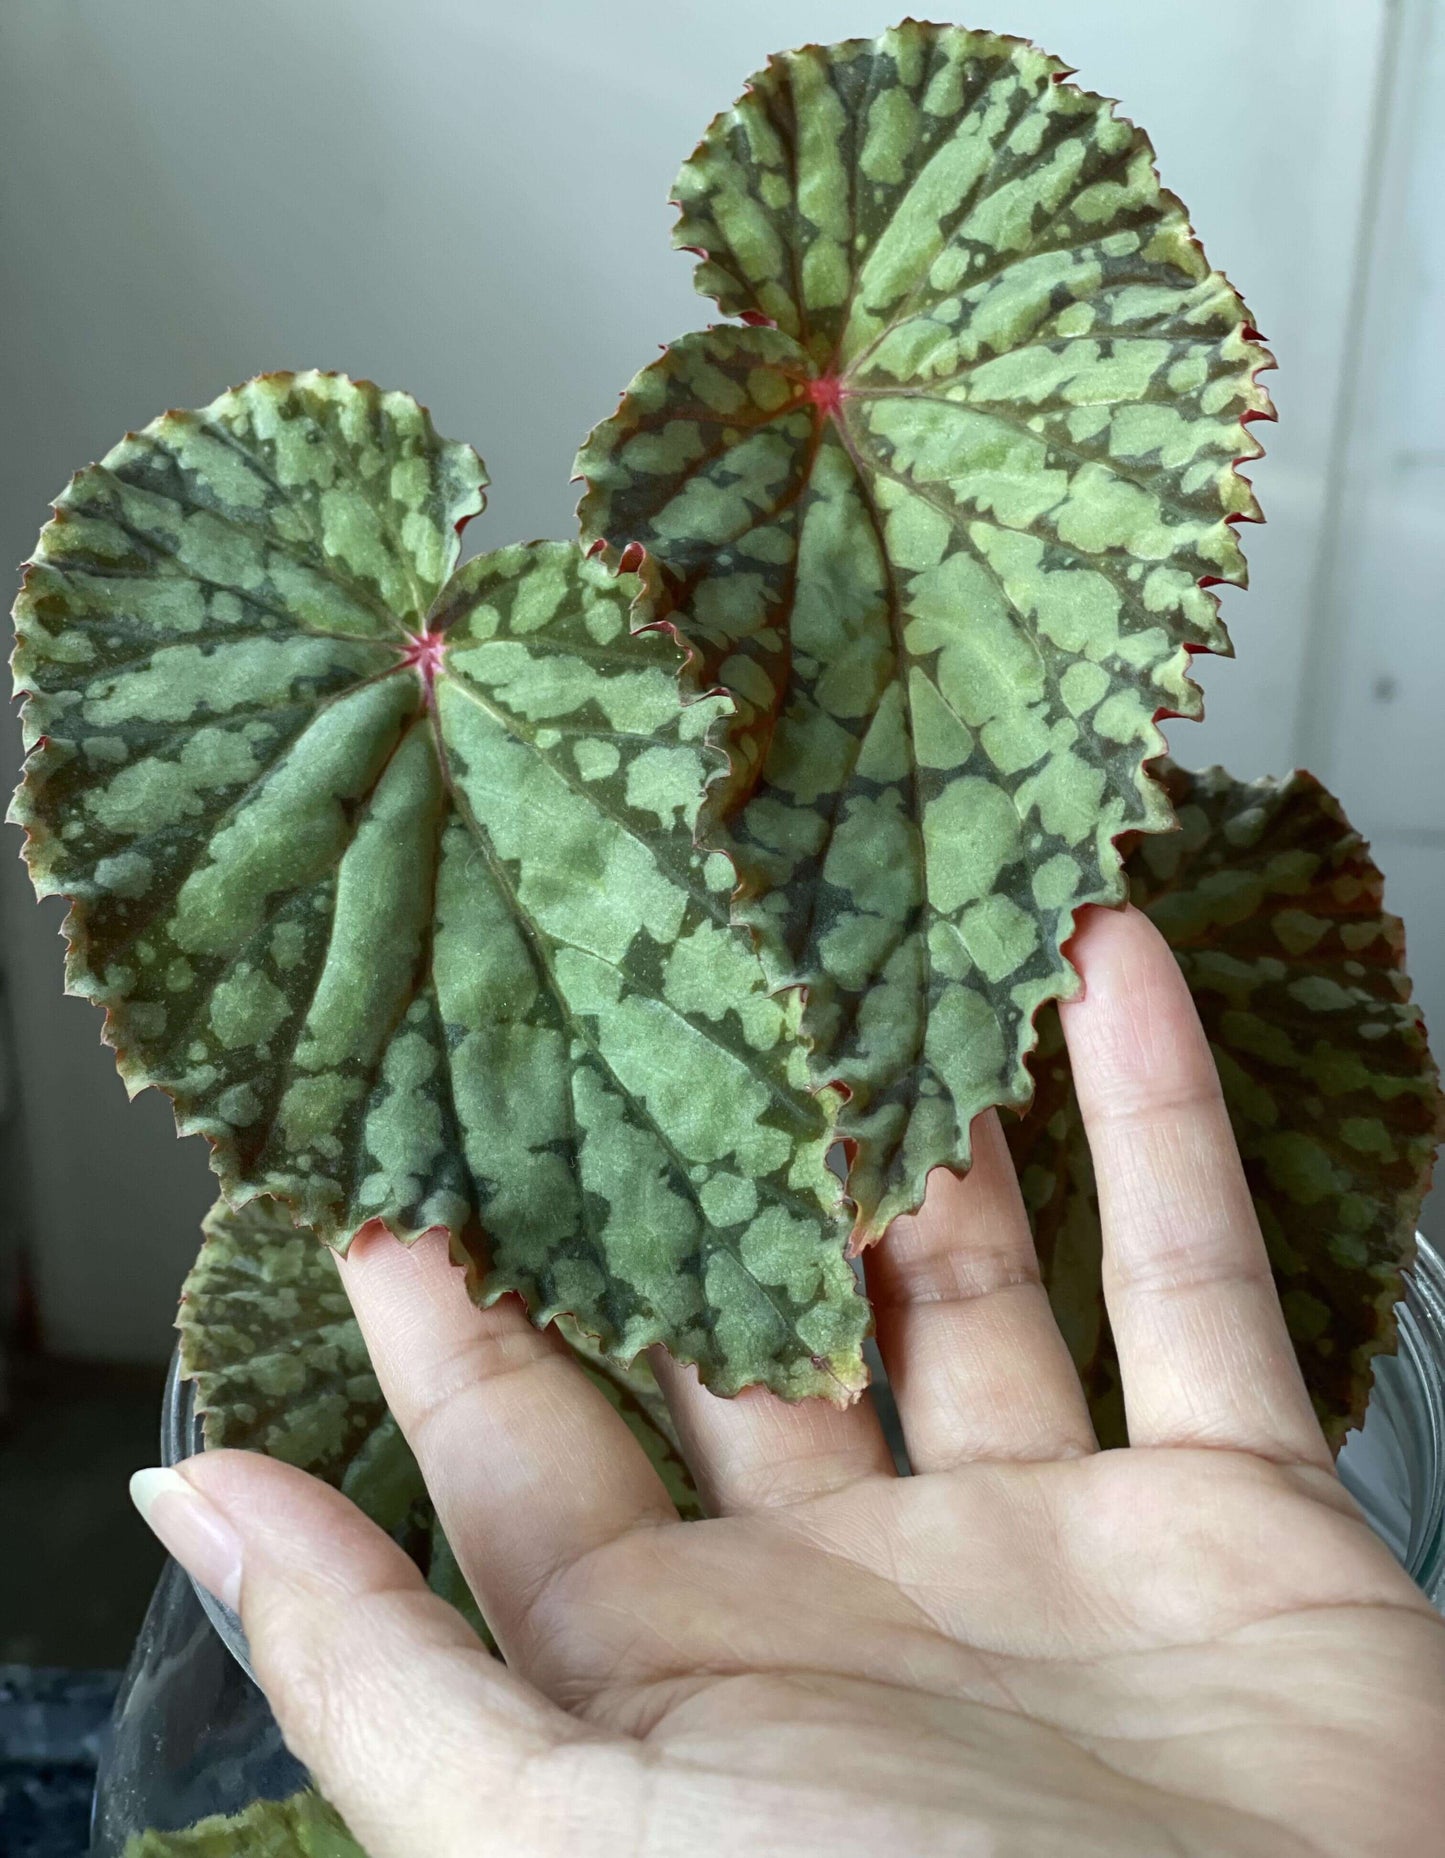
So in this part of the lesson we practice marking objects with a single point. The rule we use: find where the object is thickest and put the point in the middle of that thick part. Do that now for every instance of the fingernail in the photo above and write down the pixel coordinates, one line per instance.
(193, 1529)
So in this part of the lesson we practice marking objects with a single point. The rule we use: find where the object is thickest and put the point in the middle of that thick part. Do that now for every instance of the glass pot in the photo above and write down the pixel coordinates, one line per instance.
(192, 1734)
(1394, 1466)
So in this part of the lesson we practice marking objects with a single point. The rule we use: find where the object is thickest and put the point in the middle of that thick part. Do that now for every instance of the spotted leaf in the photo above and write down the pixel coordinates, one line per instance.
(1274, 910)
(304, 1826)
(268, 1337)
(942, 514)
(280, 1366)
(385, 873)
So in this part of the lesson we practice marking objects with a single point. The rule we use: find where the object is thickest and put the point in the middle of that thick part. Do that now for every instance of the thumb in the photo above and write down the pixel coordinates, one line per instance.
(417, 1736)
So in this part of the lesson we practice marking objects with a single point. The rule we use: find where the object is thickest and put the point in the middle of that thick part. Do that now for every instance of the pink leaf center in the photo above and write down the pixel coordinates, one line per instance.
(424, 650)
(826, 393)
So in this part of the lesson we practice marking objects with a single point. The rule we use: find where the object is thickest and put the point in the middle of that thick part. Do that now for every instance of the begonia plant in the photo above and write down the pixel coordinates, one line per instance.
(652, 910)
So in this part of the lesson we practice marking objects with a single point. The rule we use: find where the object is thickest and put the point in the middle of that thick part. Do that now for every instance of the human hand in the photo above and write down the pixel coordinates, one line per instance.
(1194, 1646)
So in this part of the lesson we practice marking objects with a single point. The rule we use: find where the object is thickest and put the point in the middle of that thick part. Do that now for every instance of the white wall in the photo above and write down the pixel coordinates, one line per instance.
(1369, 715)
(469, 200)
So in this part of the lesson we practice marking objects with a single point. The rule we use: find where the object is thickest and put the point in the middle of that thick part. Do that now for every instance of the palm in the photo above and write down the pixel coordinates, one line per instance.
(1067, 1654)
(1031, 1647)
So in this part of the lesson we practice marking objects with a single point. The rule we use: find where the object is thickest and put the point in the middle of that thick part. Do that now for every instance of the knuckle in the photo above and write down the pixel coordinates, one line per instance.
(323, 1671)
(913, 1270)
(493, 1352)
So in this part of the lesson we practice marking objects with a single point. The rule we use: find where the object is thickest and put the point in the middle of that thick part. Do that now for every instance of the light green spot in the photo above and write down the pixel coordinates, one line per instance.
(246, 1008)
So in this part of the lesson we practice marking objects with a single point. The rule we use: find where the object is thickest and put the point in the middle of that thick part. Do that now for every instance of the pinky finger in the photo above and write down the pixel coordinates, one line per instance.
(412, 1730)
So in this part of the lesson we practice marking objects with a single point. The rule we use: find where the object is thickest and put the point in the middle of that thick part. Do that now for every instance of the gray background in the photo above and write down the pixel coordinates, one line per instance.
(470, 201)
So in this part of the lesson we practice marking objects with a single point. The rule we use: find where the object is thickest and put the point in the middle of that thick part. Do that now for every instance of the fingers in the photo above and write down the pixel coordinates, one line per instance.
(975, 1359)
(1203, 1349)
(756, 1452)
(412, 1731)
(529, 1465)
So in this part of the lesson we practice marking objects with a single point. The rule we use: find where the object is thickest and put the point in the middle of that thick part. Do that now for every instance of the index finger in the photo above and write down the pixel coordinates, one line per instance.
(1204, 1353)
(530, 1467)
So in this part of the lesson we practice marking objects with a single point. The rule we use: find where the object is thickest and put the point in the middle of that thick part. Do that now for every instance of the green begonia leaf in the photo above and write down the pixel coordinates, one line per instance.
(302, 1827)
(268, 1337)
(280, 1366)
(385, 873)
(1274, 909)
(943, 520)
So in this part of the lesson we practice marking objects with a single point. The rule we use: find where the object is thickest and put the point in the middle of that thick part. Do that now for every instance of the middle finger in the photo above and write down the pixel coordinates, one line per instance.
(756, 1452)
(975, 1359)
